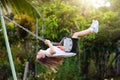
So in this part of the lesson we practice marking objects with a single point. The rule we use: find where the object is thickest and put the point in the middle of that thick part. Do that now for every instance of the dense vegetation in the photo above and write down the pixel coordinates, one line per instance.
(98, 54)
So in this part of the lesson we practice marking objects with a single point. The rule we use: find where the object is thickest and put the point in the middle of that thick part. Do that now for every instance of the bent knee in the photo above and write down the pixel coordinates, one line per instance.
(75, 35)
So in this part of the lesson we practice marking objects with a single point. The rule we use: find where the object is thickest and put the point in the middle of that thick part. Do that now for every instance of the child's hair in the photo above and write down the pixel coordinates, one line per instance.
(51, 62)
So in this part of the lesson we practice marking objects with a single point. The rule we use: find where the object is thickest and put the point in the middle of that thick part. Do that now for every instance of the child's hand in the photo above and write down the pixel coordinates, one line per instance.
(47, 42)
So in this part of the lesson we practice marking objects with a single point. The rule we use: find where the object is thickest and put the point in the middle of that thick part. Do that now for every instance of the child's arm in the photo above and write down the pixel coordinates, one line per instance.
(52, 50)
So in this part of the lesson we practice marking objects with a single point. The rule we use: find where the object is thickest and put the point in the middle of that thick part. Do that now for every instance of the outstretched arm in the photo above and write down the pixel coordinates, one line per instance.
(52, 49)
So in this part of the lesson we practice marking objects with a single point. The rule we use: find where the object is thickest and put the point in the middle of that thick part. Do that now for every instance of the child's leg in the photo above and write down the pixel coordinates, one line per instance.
(93, 28)
(81, 33)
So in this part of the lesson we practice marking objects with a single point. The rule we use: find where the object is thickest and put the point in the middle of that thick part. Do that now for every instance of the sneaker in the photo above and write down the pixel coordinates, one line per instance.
(94, 26)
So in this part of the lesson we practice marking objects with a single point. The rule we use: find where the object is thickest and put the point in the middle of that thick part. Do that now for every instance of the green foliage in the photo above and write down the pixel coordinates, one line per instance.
(108, 16)
(18, 7)
(28, 23)
(56, 19)
(115, 5)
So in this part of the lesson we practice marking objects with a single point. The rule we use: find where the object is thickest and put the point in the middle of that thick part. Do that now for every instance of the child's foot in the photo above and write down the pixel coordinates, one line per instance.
(94, 26)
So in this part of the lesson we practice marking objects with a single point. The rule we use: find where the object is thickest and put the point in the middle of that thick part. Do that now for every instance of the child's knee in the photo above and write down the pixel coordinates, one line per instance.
(75, 35)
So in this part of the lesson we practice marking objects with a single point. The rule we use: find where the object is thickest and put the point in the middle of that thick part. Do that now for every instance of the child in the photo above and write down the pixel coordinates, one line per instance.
(48, 58)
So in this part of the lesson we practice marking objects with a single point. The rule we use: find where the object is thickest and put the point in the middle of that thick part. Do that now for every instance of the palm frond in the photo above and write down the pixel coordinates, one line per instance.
(18, 7)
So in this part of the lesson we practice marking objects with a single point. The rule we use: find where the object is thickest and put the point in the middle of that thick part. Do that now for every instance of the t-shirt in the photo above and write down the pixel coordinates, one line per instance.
(61, 47)
(59, 52)
(57, 49)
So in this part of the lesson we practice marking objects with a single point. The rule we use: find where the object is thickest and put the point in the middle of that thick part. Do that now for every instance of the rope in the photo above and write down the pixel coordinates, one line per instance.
(37, 37)
(24, 29)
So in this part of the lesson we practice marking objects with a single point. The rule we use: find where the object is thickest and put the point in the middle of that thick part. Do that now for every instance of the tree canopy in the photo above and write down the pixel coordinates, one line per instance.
(98, 53)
